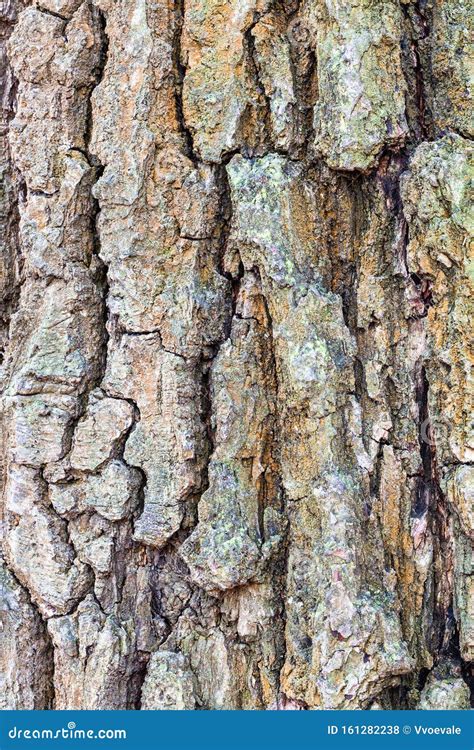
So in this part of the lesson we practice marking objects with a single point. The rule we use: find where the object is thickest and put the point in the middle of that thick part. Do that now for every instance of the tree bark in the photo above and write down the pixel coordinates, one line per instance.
(235, 330)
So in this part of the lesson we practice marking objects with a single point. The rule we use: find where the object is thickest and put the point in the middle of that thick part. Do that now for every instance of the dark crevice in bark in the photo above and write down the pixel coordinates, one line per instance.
(206, 416)
(13, 186)
(99, 170)
(179, 75)
(223, 226)
(444, 636)
(138, 680)
(418, 26)
(97, 74)
(249, 47)
(359, 379)
(431, 500)
(44, 630)
(282, 568)
(463, 134)
(375, 478)
(389, 171)
(49, 12)
(281, 564)
(389, 174)
(224, 217)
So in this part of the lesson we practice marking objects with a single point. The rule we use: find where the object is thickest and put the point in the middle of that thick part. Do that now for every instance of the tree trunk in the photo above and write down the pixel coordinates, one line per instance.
(235, 324)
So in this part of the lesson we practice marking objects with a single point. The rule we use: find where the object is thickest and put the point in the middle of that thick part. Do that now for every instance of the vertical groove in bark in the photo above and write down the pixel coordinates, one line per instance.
(180, 72)
(11, 184)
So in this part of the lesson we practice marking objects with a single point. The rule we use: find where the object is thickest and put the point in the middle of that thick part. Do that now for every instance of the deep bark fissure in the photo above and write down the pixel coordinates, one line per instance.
(45, 634)
(415, 16)
(13, 188)
(180, 73)
(444, 638)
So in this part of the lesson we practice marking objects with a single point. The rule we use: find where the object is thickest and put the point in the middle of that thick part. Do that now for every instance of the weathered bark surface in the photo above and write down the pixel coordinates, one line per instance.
(235, 325)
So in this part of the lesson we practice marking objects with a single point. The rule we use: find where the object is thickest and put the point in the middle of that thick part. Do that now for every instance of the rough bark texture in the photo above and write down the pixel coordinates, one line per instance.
(235, 325)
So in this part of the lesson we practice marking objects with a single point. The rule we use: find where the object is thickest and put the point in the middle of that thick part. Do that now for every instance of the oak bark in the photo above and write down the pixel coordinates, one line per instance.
(235, 333)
